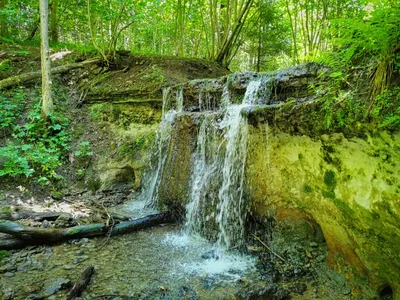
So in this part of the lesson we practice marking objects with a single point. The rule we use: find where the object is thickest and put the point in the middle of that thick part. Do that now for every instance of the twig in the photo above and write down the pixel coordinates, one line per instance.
(109, 217)
(82, 283)
(266, 246)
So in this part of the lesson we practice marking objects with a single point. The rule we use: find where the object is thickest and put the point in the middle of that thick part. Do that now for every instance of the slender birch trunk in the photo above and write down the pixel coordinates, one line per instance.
(47, 102)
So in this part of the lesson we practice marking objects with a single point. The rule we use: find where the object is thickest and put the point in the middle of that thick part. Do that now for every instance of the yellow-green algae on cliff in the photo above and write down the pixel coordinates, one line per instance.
(350, 186)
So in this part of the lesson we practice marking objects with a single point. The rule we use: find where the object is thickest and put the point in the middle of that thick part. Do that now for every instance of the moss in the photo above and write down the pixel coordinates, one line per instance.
(94, 185)
(329, 194)
(3, 254)
(343, 207)
(330, 179)
(56, 194)
(307, 189)
(6, 210)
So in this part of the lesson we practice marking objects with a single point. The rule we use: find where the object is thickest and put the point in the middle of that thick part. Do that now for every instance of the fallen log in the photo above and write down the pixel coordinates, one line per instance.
(35, 235)
(14, 80)
(12, 243)
(82, 283)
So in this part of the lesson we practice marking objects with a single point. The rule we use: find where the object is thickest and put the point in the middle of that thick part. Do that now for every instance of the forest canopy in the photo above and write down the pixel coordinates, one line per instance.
(259, 35)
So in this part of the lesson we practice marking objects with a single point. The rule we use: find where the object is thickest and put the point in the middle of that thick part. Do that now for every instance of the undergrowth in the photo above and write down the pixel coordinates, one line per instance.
(343, 109)
(31, 147)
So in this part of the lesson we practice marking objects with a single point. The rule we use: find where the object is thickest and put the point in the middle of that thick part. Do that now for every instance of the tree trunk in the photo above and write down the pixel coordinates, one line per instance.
(47, 102)
(35, 235)
(15, 80)
(53, 21)
(224, 54)
(3, 24)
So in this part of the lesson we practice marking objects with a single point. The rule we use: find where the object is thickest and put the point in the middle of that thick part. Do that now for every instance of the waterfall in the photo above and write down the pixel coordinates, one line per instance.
(217, 183)
(151, 180)
(217, 206)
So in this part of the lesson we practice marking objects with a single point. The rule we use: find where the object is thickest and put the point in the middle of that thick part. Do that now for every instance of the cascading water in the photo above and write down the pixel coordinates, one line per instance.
(217, 205)
(148, 197)
(217, 190)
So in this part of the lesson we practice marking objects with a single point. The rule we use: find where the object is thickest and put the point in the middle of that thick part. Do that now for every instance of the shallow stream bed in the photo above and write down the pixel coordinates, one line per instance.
(159, 263)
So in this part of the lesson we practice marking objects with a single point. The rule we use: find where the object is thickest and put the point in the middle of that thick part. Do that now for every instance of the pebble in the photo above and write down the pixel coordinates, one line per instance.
(31, 289)
(8, 293)
(346, 291)
(7, 268)
(79, 259)
(52, 286)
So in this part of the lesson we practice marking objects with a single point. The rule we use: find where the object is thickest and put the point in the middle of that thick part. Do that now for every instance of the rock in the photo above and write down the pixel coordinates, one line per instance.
(65, 220)
(35, 297)
(46, 224)
(79, 259)
(7, 268)
(212, 254)
(299, 288)
(9, 274)
(8, 293)
(31, 289)
(346, 290)
(271, 292)
(83, 241)
(23, 267)
(68, 267)
(53, 286)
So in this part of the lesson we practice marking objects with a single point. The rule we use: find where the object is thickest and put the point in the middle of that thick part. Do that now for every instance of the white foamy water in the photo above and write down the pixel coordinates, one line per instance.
(201, 258)
(152, 178)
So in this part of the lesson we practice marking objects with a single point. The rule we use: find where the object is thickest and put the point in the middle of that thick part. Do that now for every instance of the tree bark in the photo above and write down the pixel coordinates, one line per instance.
(3, 24)
(35, 235)
(15, 80)
(47, 102)
(53, 21)
(223, 56)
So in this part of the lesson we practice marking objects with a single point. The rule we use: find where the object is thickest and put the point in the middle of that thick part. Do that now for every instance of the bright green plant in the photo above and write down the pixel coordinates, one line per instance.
(84, 150)
(36, 148)
(386, 111)
(4, 254)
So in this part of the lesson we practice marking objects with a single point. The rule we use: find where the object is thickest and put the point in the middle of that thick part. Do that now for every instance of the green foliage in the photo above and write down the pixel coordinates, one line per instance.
(84, 150)
(98, 111)
(343, 110)
(386, 111)
(20, 52)
(155, 75)
(10, 107)
(4, 254)
(5, 65)
(37, 146)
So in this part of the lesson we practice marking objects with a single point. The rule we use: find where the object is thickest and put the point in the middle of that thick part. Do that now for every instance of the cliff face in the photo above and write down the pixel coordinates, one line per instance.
(349, 186)
(346, 183)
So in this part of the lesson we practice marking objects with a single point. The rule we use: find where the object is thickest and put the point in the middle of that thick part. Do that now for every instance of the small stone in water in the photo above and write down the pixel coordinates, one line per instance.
(68, 267)
(53, 286)
(210, 255)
